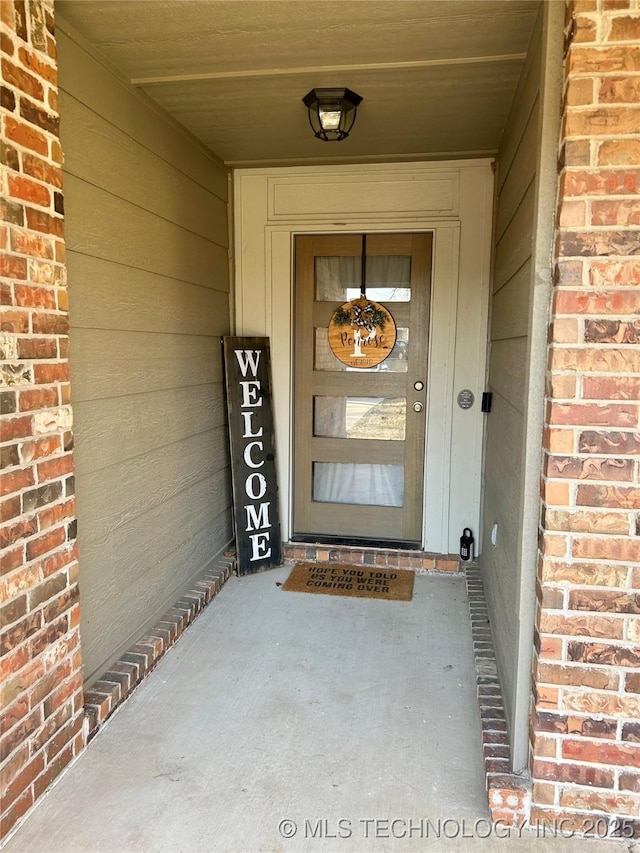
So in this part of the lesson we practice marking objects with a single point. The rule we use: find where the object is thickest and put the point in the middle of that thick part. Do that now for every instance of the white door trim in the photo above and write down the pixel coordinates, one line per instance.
(456, 197)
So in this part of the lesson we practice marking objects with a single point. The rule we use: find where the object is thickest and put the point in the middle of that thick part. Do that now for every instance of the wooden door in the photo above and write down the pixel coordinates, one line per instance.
(359, 433)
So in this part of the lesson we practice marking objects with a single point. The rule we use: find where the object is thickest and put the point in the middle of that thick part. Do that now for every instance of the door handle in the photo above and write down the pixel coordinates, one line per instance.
(418, 406)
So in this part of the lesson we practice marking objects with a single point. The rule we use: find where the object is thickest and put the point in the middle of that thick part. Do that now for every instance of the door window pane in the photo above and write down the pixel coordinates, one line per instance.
(364, 484)
(396, 362)
(360, 417)
(338, 279)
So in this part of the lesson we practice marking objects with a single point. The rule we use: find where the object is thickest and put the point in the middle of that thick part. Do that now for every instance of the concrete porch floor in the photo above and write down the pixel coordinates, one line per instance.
(326, 713)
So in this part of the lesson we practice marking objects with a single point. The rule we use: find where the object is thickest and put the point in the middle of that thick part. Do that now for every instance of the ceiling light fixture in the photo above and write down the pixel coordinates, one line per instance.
(332, 112)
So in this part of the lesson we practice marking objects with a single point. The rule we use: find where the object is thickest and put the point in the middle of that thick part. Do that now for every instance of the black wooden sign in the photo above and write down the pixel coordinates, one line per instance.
(253, 454)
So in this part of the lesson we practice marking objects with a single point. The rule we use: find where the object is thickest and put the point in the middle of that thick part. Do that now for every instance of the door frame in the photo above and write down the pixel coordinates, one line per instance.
(454, 200)
(374, 520)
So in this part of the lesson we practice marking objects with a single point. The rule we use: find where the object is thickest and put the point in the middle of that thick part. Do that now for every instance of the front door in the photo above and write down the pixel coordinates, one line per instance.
(359, 433)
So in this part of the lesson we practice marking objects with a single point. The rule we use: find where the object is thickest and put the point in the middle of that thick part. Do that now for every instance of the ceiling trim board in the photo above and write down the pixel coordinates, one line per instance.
(328, 69)
(363, 160)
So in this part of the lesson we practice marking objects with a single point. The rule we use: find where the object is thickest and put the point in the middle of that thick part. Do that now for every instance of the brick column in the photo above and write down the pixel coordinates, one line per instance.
(585, 734)
(40, 662)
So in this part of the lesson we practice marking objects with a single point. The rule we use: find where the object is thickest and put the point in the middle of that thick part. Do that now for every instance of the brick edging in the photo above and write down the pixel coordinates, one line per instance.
(117, 684)
(396, 558)
(509, 793)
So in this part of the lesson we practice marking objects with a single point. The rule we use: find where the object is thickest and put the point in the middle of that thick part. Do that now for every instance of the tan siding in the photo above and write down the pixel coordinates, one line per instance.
(513, 250)
(525, 167)
(119, 299)
(138, 362)
(139, 239)
(105, 423)
(522, 110)
(503, 490)
(508, 369)
(131, 172)
(147, 244)
(510, 307)
(104, 92)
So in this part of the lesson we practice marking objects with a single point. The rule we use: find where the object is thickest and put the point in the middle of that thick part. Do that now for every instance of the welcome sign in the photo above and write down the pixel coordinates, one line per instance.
(253, 458)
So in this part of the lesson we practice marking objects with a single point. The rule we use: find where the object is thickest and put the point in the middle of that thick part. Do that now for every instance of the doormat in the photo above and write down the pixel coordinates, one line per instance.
(341, 579)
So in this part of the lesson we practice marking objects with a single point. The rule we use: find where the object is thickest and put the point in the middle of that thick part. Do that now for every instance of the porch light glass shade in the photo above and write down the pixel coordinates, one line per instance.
(332, 112)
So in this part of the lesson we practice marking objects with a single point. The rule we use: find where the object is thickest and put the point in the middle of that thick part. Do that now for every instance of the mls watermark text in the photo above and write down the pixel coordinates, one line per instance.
(448, 828)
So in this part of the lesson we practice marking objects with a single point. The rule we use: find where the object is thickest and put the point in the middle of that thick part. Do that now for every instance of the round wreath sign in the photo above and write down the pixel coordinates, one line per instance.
(362, 333)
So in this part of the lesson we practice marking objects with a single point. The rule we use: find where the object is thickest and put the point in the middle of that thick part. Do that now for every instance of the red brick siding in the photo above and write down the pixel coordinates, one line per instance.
(41, 700)
(585, 728)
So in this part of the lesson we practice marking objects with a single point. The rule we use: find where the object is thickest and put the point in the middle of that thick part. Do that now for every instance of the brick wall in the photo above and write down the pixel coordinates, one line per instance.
(586, 716)
(41, 694)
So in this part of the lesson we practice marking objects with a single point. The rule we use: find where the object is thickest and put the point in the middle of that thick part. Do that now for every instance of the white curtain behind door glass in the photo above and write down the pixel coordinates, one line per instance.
(338, 280)
(388, 278)
(350, 483)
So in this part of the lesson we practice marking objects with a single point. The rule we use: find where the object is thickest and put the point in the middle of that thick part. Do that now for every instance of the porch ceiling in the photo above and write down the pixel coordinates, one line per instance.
(437, 76)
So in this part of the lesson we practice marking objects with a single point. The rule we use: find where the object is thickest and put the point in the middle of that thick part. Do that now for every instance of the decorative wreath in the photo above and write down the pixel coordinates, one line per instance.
(362, 333)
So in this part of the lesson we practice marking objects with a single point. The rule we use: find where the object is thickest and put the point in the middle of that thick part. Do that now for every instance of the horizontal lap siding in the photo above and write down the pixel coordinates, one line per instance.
(508, 371)
(147, 256)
